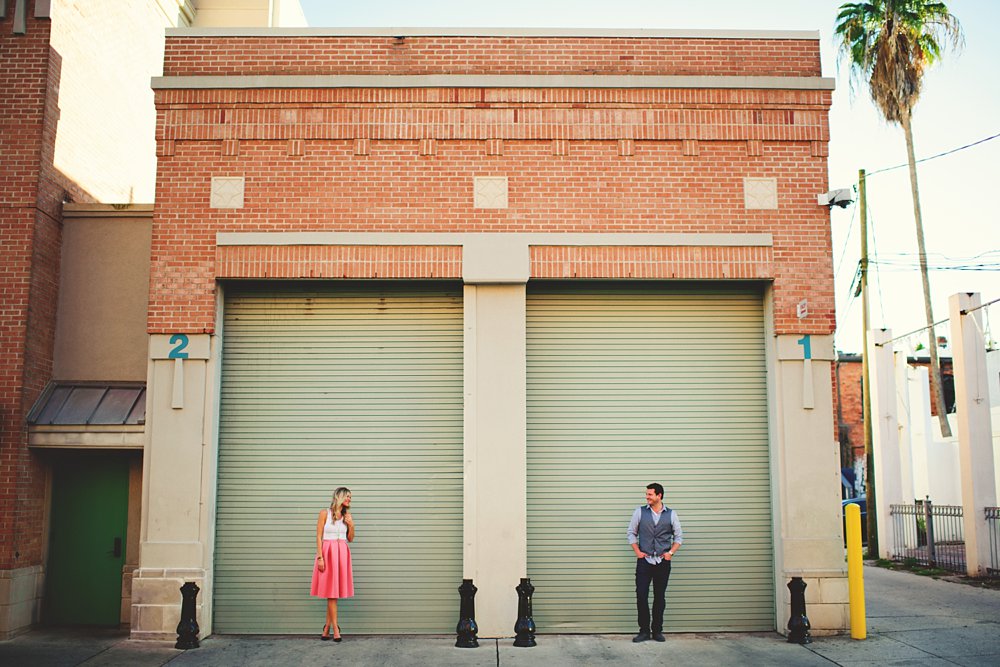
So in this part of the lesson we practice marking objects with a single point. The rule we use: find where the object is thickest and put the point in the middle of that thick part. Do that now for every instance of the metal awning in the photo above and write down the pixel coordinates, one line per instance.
(90, 403)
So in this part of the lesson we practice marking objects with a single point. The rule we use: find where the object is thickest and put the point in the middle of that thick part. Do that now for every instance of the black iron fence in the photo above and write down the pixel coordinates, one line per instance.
(993, 520)
(928, 534)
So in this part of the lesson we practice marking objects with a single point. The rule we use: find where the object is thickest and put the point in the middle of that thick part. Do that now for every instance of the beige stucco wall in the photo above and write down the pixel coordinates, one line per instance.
(105, 52)
(103, 294)
(249, 13)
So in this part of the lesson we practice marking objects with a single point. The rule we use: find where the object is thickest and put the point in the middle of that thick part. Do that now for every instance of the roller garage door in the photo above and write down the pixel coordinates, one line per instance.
(631, 386)
(329, 386)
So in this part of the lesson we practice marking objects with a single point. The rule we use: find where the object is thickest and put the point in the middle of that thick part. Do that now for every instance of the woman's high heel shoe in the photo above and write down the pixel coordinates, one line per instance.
(325, 636)
(337, 639)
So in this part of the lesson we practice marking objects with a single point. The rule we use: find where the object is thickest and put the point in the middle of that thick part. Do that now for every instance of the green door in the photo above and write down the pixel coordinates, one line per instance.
(87, 541)
(340, 385)
(632, 385)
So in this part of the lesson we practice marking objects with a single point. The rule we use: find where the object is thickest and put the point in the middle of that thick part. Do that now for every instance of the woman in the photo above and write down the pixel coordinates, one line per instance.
(332, 576)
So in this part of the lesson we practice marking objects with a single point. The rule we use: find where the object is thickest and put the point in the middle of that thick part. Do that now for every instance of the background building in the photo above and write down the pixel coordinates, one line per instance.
(77, 135)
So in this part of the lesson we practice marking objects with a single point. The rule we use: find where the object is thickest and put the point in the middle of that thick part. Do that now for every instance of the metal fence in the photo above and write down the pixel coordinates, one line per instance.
(928, 534)
(993, 520)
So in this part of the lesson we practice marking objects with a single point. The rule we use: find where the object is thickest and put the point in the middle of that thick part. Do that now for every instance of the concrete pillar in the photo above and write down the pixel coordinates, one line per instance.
(806, 474)
(885, 434)
(975, 434)
(903, 416)
(496, 544)
(178, 485)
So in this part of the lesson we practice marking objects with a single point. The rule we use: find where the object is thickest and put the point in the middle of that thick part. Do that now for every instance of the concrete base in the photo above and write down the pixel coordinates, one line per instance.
(21, 593)
(156, 602)
(827, 603)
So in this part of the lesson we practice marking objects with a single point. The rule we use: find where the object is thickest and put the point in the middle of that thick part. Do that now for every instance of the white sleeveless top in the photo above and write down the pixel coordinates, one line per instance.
(334, 530)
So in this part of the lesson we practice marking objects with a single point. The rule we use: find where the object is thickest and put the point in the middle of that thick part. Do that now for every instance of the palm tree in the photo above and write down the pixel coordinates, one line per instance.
(889, 44)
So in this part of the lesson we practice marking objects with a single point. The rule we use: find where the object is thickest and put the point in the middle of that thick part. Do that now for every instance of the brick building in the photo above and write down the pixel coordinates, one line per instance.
(485, 281)
(496, 283)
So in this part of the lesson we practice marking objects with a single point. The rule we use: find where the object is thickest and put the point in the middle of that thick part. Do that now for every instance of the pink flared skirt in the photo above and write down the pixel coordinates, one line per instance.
(337, 580)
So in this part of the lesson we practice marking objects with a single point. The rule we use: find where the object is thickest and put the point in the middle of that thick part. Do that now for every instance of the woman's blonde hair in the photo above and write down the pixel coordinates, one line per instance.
(337, 503)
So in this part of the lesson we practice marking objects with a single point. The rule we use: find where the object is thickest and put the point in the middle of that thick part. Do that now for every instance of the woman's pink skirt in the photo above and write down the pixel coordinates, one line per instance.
(337, 580)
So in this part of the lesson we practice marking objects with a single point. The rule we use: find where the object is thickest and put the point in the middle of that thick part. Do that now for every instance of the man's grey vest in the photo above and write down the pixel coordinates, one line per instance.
(655, 539)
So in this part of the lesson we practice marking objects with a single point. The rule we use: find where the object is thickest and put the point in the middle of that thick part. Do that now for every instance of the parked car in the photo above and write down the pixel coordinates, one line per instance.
(862, 502)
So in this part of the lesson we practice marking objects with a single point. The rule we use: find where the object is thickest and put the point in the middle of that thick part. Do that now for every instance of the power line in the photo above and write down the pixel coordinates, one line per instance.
(934, 157)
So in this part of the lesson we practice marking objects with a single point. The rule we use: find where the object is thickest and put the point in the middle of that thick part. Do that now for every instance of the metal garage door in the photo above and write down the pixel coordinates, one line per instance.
(335, 386)
(639, 385)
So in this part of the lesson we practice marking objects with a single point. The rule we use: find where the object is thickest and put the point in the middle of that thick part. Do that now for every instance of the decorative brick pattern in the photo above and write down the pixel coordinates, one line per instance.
(652, 262)
(230, 147)
(376, 121)
(362, 147)
(296, 147)
(494, 146)
(755, 147)
(428, 147)
(338, 262)
(560, 147)
(626, 147)
(165, 148)
(820, 149)
(690, 147)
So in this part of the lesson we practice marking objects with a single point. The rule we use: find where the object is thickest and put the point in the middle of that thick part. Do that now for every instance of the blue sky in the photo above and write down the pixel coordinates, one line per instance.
(960, 105)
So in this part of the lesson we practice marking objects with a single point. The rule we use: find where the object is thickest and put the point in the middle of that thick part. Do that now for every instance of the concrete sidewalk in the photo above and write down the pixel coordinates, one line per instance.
(912, 620)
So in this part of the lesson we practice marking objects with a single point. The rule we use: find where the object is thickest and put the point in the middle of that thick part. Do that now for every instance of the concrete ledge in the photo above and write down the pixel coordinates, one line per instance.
(491, 81)
(444, 238)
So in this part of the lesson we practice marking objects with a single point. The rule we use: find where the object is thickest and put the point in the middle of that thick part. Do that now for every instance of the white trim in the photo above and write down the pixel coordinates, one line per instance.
(461, 239)
(399, 33)
(492, 81)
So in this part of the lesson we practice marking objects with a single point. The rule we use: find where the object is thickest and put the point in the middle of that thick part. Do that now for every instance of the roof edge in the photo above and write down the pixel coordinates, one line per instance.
(631, 33)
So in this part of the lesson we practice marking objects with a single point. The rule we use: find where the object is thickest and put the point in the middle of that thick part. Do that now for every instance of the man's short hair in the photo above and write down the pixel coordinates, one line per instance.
(657, 488)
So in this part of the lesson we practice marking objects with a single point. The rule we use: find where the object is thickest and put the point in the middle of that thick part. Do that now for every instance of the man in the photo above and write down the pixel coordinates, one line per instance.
(655, 535)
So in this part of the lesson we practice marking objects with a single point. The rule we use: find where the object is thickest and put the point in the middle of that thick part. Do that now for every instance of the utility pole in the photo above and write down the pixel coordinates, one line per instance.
(866, 395)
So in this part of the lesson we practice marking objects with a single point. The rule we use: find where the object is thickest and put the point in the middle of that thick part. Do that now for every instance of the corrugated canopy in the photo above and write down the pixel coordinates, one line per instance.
(88, 403)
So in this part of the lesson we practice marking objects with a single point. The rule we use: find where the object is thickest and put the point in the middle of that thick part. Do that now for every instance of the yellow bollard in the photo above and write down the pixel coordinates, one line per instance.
(855, 576)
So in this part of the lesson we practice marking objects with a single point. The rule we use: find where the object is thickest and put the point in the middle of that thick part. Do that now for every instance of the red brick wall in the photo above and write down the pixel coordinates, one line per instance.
(29, 253)
(186, 56)
(403, 160)
(850, 410)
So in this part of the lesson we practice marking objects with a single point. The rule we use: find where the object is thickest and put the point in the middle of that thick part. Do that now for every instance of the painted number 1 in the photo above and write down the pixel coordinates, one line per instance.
(180, 341)
(805, 342)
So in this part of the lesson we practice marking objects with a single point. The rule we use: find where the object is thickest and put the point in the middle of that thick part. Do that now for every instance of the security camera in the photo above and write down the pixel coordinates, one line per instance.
(841, 198)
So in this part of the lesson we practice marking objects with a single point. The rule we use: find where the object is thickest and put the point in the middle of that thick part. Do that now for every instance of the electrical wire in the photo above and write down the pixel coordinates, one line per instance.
(933, 157)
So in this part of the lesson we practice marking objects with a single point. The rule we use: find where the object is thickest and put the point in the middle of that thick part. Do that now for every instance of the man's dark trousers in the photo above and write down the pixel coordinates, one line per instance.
(658, 574)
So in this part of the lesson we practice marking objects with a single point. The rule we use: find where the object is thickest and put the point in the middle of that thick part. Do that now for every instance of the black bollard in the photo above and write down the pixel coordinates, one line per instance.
(524, 628)
(467, 627)
(187, 629)
(798, 624)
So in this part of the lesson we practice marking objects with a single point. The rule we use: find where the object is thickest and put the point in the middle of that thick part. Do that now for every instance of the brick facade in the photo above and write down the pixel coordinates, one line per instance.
(246, 55)
(581, 160)
(29, 253)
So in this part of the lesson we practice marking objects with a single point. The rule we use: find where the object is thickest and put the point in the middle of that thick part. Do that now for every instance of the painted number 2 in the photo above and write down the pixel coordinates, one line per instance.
(805, 342)
(180, 343)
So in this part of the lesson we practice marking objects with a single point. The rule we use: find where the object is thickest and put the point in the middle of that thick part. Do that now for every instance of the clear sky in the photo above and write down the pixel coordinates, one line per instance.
(960, 105)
